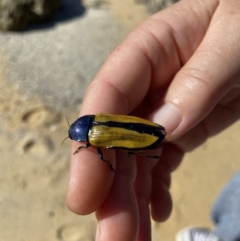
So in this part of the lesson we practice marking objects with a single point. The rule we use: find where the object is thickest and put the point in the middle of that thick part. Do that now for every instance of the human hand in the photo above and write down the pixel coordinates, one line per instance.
(180, 69)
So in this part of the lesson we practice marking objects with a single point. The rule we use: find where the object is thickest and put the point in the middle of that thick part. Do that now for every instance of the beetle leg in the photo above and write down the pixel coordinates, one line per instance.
(140, 154)
(80, 147)
(131, 153)
(155, 157)
(101, 157)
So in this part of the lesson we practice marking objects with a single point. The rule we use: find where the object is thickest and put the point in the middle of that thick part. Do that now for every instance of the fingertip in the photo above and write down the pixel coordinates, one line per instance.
(118, 216)
(90, 181)
(161, 203)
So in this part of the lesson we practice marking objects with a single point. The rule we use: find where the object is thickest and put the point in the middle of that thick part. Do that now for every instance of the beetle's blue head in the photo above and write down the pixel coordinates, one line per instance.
(79, 129)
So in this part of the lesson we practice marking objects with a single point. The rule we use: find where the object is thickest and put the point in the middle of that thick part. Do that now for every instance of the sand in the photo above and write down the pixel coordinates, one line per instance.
(33, 104)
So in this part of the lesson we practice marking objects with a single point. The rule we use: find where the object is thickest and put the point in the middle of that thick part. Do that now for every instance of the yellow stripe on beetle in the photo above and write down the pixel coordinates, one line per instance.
(122, 119)
(115, 137)
(117, 132)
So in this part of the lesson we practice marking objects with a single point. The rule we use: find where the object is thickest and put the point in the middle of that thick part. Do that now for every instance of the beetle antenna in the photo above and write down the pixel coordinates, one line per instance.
(64, 140)
(67, 136)
(67, 121)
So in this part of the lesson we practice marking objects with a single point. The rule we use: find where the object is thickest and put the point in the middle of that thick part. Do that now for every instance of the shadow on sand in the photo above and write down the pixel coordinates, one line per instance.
(70, 9)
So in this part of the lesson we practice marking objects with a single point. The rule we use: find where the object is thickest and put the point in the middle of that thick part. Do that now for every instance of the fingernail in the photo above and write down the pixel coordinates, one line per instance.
(168, 116)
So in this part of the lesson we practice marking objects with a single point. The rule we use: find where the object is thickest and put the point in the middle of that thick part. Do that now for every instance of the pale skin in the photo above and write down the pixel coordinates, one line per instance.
(180, 69)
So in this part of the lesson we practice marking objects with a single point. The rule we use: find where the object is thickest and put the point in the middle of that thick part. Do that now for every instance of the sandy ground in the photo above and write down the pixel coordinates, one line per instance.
(34, 166)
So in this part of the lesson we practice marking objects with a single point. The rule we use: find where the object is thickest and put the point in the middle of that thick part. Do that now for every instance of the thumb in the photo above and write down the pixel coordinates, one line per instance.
(208, 75)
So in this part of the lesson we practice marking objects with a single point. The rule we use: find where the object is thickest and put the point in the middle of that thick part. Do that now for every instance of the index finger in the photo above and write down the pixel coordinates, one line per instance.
(110, 92)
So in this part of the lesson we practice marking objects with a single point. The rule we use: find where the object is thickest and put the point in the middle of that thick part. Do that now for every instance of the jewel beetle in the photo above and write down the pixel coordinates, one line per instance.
(125, 132)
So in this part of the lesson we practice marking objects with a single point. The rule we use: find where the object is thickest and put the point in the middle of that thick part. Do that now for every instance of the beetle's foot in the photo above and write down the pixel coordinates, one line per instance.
(142, 154)
(155, 157)
(74, 153)
(108, 162)
(110, 165)
(80, 147)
